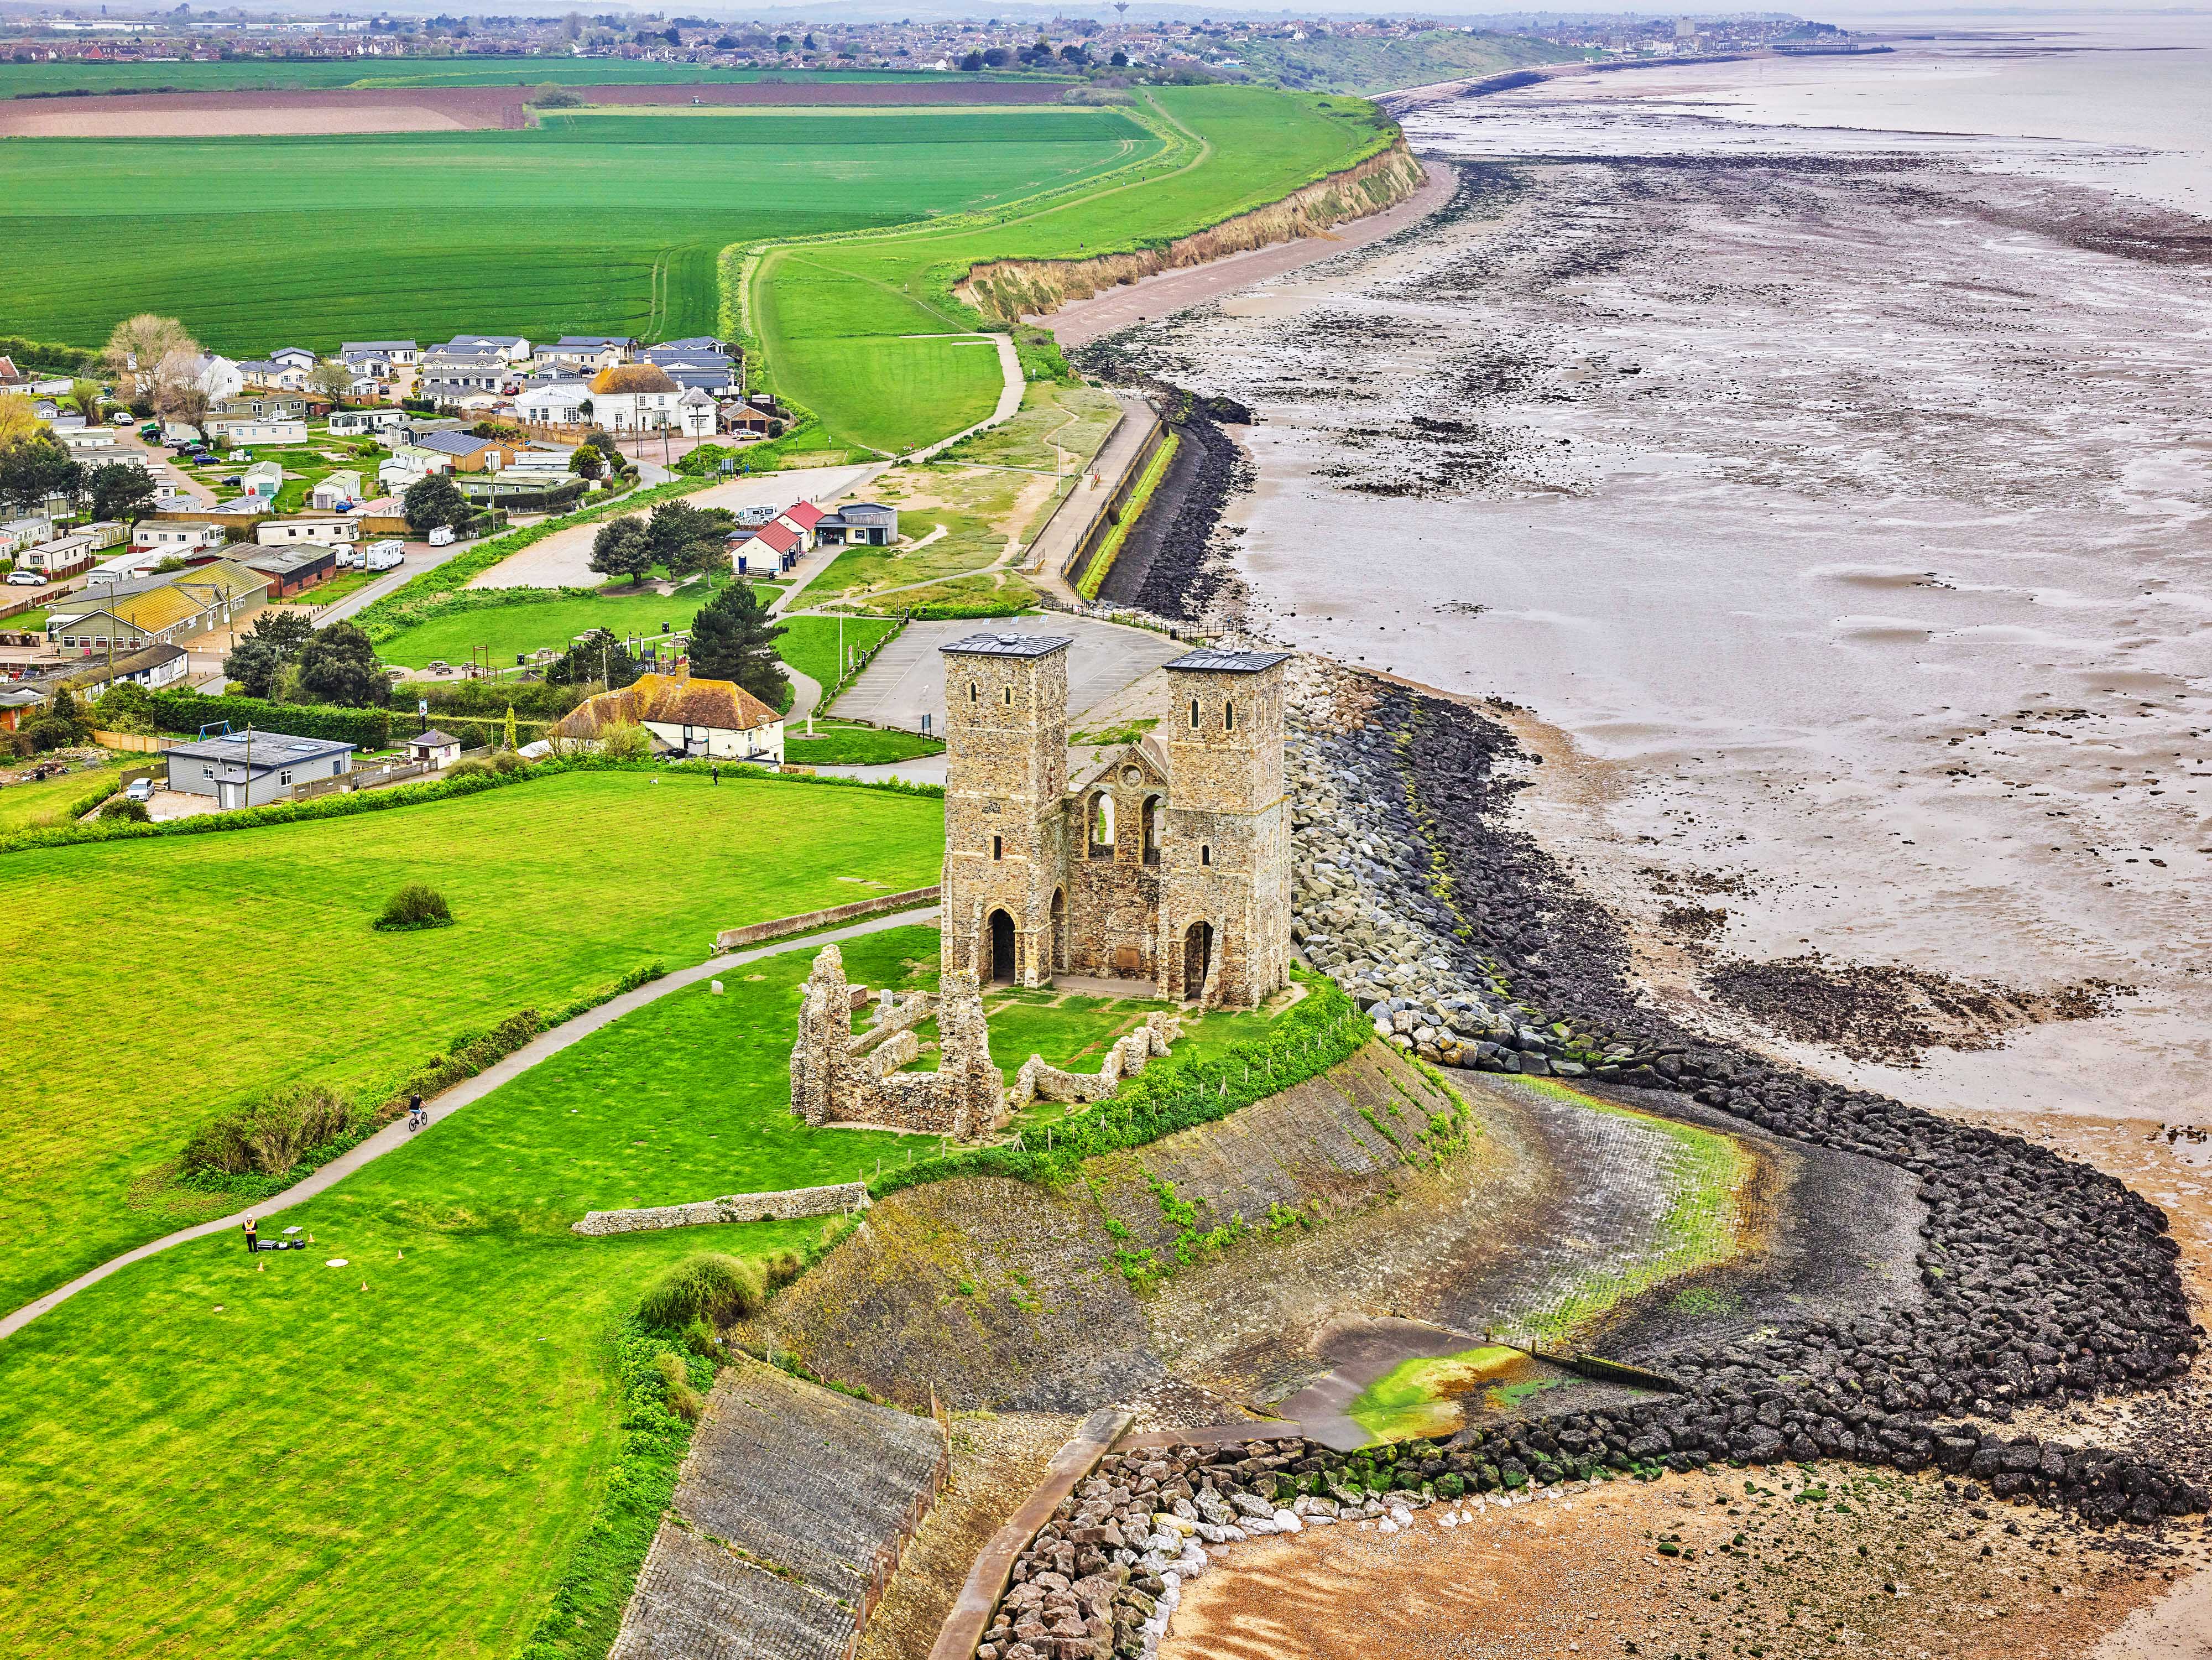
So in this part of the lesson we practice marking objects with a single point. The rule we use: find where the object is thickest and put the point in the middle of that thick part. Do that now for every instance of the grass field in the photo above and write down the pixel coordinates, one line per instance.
(287, 239)
(33, 806)
(396, 1456)
(528, 624)
(255, 948)
(833, 745)
(810, 643)
(837, 318)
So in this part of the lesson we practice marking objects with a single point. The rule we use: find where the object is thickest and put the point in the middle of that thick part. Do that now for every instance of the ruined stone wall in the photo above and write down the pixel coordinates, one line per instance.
(1038, 1082)
(783, 1206)
(839, 1077)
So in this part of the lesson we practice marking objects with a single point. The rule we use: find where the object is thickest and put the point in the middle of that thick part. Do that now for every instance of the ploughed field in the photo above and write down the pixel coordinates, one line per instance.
(18, 80)
(593, 222)
(255, 948)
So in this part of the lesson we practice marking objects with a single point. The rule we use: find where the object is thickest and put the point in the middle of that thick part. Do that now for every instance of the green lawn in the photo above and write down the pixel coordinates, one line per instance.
(553, 621)
(33, 806)
(397, 1455)
(833, 745)
(838, 317)
(1059, 428)
(810, 643)
(655, 197)
(253, 949)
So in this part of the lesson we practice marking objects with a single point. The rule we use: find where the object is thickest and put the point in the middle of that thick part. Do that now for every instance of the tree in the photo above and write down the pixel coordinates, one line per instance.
(19, 418)
(120, 492)
(587, 462)
(85, 394)
(434, 499)
(677, 527)
(140, 345)
(622, 548)
(973, 60)
(733, 638)
(179, 391)
(337, 665)
(259, 660)
(598, 656)
(34, 468)
(334, 380)
(507, 732)
(127, 706)
(1120, 60)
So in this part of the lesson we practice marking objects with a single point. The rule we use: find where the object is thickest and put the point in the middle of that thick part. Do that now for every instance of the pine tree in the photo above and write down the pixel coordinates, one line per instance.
(733, 638)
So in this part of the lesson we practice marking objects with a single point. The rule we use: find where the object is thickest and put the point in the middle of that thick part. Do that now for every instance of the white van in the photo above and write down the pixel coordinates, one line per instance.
(383, 555)
(442, 537)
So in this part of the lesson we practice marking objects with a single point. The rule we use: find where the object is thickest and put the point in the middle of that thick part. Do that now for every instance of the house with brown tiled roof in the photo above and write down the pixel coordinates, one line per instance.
(708, 719)
(635, 397)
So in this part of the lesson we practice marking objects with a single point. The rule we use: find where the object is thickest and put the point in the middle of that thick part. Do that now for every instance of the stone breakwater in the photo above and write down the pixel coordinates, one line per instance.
(1103, 1577)
(2043, 1280)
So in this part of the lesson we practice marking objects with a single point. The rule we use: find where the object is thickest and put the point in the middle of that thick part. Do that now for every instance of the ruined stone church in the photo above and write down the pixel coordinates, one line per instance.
(1167, 863)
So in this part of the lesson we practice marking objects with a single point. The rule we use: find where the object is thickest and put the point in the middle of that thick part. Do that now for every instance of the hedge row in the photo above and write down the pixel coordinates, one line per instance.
(188, 711)
(45, 354)
(1177, 1093)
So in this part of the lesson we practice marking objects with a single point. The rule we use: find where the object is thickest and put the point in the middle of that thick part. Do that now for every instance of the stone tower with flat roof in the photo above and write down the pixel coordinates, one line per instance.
(1167, 863)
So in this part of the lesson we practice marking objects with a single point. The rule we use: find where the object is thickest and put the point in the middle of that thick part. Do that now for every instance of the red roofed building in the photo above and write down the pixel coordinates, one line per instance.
(803, 517)
(771, 550)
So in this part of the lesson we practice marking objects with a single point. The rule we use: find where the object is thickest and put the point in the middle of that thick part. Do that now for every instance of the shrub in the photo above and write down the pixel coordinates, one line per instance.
(706, 1285)
(784, 1266)
(625, 742)
(414, 906)
(468, 769)
(124, 808)
(268, 1136)
(683, 1399)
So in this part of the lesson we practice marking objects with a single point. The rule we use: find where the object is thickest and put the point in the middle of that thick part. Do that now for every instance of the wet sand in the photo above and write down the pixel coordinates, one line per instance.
(1842, 510)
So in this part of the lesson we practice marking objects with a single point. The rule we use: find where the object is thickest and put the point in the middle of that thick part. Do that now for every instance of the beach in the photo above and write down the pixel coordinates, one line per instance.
(1833, 505)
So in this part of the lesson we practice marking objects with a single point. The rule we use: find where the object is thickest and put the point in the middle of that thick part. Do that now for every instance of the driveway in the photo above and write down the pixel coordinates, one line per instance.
(563, 559)
(907, 678)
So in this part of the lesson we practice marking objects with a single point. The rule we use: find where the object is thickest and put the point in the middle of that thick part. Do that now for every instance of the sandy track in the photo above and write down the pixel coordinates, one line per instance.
(437, 109)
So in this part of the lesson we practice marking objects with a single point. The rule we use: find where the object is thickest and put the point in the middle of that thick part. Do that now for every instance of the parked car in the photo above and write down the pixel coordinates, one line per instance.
(120, 418)
(141, 790)
(25, 579)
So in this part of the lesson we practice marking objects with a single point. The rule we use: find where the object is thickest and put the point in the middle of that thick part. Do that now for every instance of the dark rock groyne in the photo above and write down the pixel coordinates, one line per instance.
(2043, 1280)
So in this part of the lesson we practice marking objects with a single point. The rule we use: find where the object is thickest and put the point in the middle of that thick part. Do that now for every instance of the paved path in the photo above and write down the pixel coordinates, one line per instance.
(906, 677)
(1012, 385)
(1170, 291)
(1064, 532)
(806, 696)
(563, 559)
(540, 1047)
(419, 557)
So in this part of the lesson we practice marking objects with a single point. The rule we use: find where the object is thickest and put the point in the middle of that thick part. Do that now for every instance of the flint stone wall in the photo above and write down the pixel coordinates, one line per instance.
(731, 1207)
(1040, 1081)
(835, 1080)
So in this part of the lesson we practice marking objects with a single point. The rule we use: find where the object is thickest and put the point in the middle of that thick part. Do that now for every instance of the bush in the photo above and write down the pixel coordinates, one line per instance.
(625, 743)
(187, 712)
(707, 1285)
(124, 808)
(268, 1136)
(414, 906)
(683, 1399)
(468, 769)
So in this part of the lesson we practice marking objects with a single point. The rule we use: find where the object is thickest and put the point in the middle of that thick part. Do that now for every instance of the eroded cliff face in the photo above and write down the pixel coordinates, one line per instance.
(1006, 290)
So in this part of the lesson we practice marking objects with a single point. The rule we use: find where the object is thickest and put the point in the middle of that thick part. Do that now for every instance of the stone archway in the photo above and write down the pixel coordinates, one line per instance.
(1197, 960)
(999, 934)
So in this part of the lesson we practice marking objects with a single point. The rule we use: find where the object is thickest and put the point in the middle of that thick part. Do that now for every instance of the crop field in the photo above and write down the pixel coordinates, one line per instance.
(258, 945)
(823, 309)
(396, 1456)
(19, 79)
(601, 222)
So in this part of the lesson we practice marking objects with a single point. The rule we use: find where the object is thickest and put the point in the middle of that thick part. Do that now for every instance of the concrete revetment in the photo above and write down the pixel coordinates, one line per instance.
(1167, 862)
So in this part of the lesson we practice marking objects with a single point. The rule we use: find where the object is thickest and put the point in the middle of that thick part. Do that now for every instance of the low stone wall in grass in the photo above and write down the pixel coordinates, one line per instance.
(791, 1202)
(736, 939)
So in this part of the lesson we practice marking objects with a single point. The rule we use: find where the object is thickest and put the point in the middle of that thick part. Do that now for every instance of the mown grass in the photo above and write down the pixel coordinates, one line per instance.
(826, 310)
(397, 1457)
(831, 745)
(34, 805)
(810, 644)
(530, 624)
(243, 962)
(256, 255)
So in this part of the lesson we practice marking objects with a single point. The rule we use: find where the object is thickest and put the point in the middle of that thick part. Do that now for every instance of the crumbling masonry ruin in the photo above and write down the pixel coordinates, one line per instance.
(839, 1076)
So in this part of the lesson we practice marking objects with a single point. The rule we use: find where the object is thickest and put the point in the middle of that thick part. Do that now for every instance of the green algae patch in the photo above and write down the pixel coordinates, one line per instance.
(1422, 1397)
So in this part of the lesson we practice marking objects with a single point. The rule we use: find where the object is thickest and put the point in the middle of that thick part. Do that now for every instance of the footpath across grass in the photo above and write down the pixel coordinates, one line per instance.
(255, 950)
(211, 1453)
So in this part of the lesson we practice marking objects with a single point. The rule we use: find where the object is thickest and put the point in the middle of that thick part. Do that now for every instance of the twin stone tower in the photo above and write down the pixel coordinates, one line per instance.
(1167, 862)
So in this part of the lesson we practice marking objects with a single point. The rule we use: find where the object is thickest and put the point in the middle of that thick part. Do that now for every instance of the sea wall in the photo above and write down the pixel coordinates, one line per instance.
(1006, 290)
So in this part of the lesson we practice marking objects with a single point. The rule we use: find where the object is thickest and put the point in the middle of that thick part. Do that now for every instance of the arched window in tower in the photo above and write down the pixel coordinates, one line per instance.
(1153, 819)
(1228, 717)
(1009, 697)
(1193, 714)
(997, 846)
(1204, 854)
(1102, 826)
(974, 692)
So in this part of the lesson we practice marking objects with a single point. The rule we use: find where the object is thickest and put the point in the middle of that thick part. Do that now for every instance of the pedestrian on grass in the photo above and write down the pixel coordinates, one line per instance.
(717, 772)
(252, 1228)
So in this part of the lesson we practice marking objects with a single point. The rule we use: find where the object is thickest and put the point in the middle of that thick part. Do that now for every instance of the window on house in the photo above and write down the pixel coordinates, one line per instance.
(207, 772)
(285, 776)
(336, 767)
(997, 846)
(1193, 714)
(1204, 854)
